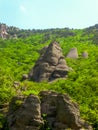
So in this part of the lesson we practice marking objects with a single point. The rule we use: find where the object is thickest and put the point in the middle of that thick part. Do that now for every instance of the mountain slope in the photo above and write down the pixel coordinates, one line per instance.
(18, 56)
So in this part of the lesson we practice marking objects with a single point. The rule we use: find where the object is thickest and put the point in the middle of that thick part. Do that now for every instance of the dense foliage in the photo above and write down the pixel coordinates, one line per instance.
(18, 56)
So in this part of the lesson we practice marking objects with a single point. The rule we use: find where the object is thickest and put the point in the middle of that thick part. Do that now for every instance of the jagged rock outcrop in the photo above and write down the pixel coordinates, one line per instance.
(85, 54)
(3, 31)
(51, 65)
(8, 32)
(73, 53)
(24, 113)
(61, 113)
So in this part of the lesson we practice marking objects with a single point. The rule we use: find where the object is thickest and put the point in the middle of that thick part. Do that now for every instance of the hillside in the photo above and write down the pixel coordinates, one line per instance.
(14, 32)
(19, 55)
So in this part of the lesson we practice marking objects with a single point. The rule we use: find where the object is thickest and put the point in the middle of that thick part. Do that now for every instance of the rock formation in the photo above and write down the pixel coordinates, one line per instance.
(3, 31)
(24, 114)
(50, 65)
(8, 32)
(59, 111)
(73, 53)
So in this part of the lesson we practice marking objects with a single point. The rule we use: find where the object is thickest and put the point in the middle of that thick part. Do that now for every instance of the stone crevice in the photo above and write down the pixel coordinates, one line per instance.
(50, 66)
(49, 110)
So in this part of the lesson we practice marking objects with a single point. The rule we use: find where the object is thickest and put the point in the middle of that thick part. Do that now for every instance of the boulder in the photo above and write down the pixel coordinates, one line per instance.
(3, 31)
(50, 65)
(58, 111)
(68, 112)
(62, 113)
(24, 113)
(73, 53)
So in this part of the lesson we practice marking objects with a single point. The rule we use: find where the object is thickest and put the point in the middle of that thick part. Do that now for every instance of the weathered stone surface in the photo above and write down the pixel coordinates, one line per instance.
(73, 53)
(50, 65)
(61, 113)
(8, 32)
(3, 31)
(24, 114)
(68, 112)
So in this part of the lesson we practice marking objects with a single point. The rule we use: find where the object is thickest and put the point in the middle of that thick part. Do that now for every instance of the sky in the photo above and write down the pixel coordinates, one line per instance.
(44, 14)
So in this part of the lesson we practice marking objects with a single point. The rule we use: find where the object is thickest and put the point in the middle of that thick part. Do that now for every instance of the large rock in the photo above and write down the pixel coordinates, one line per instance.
(73, 53)
(59, 112)
(62, 113)
(24, 113)
(50, 65)
(3, 31)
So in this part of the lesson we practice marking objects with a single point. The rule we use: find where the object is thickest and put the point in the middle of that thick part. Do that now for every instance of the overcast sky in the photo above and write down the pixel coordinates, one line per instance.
(42, 14)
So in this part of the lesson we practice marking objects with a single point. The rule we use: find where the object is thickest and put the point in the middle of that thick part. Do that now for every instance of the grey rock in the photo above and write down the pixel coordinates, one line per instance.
(62, 113)
(3, 31)
(73, 53)
(25, 113)
(51, 65)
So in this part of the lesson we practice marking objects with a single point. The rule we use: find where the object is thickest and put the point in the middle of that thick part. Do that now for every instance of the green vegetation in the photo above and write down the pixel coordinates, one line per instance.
(46, 126)
(18, 56)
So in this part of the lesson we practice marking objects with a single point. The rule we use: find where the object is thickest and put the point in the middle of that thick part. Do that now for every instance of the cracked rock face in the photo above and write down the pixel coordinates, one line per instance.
(51, 65)
(3, 31)
(26, 113)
